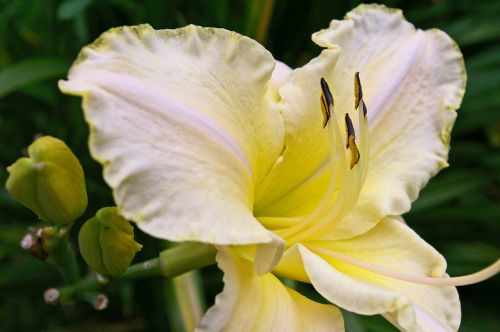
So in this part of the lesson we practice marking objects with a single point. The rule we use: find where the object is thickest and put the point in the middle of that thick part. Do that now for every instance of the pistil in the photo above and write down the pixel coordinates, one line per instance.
(473, 278)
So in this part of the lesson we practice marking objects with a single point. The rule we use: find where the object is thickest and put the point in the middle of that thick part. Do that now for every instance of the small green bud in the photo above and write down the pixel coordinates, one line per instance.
(50, 182)
(107, 242)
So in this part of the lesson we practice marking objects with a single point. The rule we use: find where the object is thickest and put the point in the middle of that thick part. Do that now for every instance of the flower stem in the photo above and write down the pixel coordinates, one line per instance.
(170, 263)
(186, 257)
(90, 283)
(62, 256)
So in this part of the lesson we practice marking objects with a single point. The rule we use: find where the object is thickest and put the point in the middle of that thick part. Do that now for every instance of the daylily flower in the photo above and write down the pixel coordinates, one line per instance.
(205, 137)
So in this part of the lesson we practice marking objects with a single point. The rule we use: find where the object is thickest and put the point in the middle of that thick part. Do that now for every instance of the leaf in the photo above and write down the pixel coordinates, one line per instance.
(484, 82)
(30, 71)
(467, 257)
(429, 13)
(258, 17)
(70, 9)
(447, 188)
(361, 323)
(352, 322)
(43, 92)
(487, 58)
(474, 30)
(31, 271)
(445, 216)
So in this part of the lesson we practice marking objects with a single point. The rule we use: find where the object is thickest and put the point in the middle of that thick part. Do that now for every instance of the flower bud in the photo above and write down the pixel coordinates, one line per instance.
(50, 182)
(107, 242)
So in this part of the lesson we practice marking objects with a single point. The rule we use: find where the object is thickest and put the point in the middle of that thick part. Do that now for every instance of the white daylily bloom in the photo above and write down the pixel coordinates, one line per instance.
(205, 137)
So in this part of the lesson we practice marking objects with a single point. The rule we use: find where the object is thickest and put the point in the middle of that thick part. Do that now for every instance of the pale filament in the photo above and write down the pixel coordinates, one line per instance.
(308, 223)
(351, 179)
(346, 184)
(364, 147)
(347, 180)
(469, 279)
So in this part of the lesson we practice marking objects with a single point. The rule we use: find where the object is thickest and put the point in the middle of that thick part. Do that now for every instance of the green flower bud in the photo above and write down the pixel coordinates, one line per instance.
(107, 242)
(50, 182)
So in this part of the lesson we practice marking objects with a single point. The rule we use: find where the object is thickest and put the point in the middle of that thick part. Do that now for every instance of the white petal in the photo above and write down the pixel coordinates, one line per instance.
(413, 81)
(185, 126)
(262, 303)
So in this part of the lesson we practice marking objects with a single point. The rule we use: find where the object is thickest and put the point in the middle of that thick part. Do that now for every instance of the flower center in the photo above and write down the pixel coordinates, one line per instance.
(348, 166)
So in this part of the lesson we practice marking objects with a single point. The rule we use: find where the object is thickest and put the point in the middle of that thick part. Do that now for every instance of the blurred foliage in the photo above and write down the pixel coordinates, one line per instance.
(458, 213)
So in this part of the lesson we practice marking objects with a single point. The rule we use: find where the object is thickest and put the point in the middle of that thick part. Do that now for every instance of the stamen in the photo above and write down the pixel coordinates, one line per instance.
(314, 220)
(349, 128)
(351, 143)
(363, 128)
(354, 152)
(326, 101)
(326, 92)
(358, 91)
(473, 278)
(363, 143)
(344, 186)
(325, 110)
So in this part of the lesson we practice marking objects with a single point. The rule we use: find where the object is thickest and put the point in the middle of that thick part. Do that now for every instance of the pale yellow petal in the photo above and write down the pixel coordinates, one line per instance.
(395, 247)
(413, 81)
(262, 303)
(185, 125)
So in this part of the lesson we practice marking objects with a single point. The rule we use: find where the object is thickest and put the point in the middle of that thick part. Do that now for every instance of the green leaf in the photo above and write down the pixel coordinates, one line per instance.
(352, 322)
(428, 13)
(44, 92)
(484, 82)
(487, 58)
(474, 30)
(361, 323)
(31, 271)
(447, 188)
(30, 71)
(472, 121)
(70, 9)
(446, 216)
(467, 257)
(258, 16)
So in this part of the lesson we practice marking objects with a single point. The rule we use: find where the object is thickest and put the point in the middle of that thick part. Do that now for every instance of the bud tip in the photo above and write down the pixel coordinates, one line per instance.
(51, 296)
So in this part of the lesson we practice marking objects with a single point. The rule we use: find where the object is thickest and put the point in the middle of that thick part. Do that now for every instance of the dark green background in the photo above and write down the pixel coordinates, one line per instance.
(458, 213)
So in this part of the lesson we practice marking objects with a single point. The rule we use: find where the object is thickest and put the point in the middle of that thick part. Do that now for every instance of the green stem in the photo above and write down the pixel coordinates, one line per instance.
(186, 257)
(62, 256)
(98, 300)
(90, 283)
(170, 263)
(148, 268)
